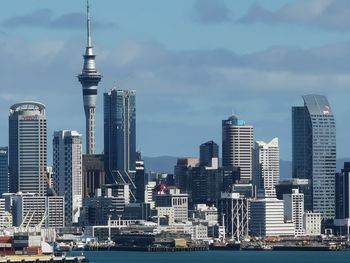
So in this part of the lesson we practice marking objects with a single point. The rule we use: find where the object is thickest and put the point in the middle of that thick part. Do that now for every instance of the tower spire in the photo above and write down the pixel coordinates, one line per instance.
(88, 21)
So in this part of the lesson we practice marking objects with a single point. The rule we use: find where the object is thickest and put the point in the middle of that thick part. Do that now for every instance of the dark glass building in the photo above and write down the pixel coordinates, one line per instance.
(120, 136)
(208, 151)
(4, 171)
(342, 193)
(314, 151)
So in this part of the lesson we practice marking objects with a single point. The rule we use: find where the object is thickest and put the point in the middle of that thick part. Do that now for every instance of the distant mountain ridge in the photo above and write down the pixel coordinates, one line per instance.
(165, 164)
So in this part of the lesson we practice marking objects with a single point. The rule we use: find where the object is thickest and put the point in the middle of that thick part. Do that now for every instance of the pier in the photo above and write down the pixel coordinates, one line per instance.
(43, 259)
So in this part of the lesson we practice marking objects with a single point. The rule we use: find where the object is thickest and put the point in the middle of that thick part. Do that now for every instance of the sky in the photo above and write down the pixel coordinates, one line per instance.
(192, 63)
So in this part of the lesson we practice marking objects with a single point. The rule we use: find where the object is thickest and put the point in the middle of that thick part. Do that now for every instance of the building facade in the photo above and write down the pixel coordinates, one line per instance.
(314, 151)
(237, 146)
(67, 166)
(172, 197)
(28, 148)
(267, 218)
(94, 175)
(208, 153)
(4, 170)
(266, 166)
(120, 136)
(294, 210)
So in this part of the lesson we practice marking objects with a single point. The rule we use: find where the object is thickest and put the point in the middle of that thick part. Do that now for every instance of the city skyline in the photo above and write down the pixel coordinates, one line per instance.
(213, 57)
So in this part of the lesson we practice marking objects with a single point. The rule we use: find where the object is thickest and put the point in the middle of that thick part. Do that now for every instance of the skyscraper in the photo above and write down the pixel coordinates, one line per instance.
(237, 146)
(28, 148)
(4, 170)
(314, 151)
(67, 166)
(207, 152)
(120, 136)
(266, 166)
(89, 79)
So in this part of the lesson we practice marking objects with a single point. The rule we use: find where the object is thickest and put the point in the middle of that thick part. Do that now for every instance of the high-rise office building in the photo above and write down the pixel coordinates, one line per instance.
(237, 146)
(4, 170)
(89, 79)
(67, 166)
(28, 148)
(120, 136)
(208, 152)
(342, 193)
(314, 151)
(266, 166)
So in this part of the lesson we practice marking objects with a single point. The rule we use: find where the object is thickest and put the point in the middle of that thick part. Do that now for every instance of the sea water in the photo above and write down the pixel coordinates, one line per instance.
(217, 257)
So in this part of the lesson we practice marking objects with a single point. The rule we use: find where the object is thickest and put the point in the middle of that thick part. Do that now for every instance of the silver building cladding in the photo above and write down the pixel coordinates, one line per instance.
(314, 152)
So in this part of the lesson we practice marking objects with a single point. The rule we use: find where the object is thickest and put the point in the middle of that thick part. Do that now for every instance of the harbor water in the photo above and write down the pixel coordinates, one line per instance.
(218, 257)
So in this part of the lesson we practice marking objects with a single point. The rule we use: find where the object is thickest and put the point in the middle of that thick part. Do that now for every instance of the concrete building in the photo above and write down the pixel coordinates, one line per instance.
(94, 175)
(149, 193)
(312, 223)
(234, 213)
(206, 213)
(89, 79)
(28, 148)
(267, 218)
(172, 197)
(294, 210)
(31, 210)
(314, 151)
(120, 137)
(67, 167)
(4, 170)
(266, 166)
(237, 146)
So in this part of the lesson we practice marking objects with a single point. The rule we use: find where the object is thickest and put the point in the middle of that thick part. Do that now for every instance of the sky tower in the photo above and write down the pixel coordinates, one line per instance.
(89, 79)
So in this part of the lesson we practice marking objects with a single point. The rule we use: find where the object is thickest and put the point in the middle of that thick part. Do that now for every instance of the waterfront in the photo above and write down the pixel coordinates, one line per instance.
(214, 256)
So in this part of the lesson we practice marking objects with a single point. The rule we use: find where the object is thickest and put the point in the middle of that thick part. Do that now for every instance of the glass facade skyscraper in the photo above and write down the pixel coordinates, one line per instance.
(4, 171)
(120, 136)
(314, 151)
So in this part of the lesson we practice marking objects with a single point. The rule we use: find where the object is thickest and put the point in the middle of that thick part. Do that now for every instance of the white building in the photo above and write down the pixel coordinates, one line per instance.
(172, 197)
(167, 212)
(312, 223)
(267, 218)
(294, 210)
(266, 166)
(149, 193)
(67, 167)
(28, 148)
(237, 146)
(206, 213)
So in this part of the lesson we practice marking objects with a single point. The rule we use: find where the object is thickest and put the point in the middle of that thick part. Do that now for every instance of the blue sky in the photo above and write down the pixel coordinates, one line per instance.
(192, 63)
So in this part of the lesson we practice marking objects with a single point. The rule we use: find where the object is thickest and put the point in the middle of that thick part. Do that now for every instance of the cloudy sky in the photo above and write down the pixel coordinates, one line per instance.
(192, 62)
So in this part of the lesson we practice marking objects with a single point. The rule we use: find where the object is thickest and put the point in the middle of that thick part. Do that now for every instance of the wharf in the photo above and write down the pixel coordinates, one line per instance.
(43, 259)
(150, 248)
